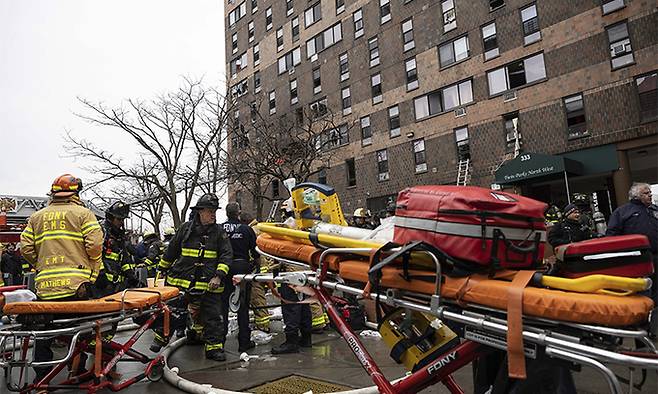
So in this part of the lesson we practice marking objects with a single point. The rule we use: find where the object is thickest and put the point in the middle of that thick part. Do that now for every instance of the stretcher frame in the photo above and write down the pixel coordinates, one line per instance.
(85, 335)
(555, 342)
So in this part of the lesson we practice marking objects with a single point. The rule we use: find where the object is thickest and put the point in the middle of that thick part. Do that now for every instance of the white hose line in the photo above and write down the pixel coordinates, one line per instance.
(172, 377)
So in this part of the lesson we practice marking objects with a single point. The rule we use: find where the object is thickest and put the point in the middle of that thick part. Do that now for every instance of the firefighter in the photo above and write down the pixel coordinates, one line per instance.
(168, 235)
(258, 301)
(245, 260)
(583, 202)
(118, 263)
(197, 261)
(152, 248)
(319, 318)
(569, 229)
(13, 265)
(63, 242)
(362, 218)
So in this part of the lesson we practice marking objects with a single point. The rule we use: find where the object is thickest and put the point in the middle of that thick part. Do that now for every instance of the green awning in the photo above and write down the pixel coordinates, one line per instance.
(533, 165)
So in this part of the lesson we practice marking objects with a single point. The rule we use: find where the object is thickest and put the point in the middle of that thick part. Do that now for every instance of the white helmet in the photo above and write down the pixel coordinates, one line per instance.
(361, 213)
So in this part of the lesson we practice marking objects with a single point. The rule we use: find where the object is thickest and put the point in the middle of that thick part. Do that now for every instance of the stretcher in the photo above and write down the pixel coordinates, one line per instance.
(594, 330)
(85, 327)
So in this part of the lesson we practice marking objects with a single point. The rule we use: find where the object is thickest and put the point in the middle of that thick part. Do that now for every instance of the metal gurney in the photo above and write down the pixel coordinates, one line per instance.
(83, 327)
(481, 328)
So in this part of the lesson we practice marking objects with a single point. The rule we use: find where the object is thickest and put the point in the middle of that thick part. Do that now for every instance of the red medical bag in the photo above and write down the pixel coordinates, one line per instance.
(622, 255)
(482, 227)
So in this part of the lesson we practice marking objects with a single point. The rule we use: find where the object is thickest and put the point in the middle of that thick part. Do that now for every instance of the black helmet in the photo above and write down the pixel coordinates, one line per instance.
(208, 200)
(581, 198)
(119, 210)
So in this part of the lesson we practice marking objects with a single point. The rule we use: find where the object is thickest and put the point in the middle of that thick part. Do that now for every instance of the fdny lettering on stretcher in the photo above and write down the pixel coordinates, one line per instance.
(434, 368)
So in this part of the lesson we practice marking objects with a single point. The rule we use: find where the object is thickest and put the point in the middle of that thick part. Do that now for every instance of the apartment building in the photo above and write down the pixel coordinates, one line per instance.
(545, 98)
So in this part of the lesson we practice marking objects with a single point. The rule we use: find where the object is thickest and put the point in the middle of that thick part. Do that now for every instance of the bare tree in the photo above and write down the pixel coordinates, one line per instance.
(295, 145)
(175, 134)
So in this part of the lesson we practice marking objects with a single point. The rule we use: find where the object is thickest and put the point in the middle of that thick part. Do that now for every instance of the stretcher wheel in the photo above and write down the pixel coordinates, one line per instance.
(157, 371)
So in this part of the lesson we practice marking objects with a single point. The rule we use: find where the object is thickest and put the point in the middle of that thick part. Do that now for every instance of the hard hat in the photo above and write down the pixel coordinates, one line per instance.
(119, 210)
(149, 234)
(208, 200)
(169, 231)
(361, 213)
(66, 185)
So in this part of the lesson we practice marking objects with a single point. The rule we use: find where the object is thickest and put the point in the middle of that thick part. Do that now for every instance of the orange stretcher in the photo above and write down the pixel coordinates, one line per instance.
(600, 309)
(135, 299)
(87, 328)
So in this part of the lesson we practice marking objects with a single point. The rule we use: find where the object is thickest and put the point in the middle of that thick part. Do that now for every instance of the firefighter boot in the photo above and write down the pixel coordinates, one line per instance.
(159, 342)
(291, 345)
(305, 340)
(215, 352)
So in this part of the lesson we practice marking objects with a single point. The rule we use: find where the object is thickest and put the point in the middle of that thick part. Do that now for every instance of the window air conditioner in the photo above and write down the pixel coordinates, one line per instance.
(509, 96)
(291, 71)
(460, 112)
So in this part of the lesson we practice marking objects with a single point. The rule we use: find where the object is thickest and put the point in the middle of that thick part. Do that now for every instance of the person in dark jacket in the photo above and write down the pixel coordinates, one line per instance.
(151, 246)
(569, 229)
(13, 265)
(639, 216)
(245, 260)
(197, 261)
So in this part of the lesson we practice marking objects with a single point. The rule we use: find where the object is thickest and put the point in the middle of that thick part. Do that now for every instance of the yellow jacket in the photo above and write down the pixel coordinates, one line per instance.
(63, 242)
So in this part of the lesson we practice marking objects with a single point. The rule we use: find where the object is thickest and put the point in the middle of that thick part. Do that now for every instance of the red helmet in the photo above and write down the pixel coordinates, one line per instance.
(66, 185)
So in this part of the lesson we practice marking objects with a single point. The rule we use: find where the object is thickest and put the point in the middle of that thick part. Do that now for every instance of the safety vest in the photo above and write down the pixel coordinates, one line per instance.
(63, 242)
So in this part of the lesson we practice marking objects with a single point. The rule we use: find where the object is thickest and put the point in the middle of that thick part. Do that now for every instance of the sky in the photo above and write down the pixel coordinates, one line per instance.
(52, 51)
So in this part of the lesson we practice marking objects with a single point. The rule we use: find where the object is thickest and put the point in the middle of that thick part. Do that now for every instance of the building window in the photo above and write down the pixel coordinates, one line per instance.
(449, 16)
(253, 111)
(517, 74)
(322, 176)
(294, 99)
(275, 188)
(254, 6)
(512, 134)
(382, 165)
(443, 100)
(463, 144)
(294, 27)
(239, 63)
(290, 9)
(394, 121)
(240, 88)
(384, 11)
(333, 138)
(490, 41)
(312, 14)
(319, 108)
(237, 14)
(324, 40)
(340, 6)
(256, 50)
(530, 22)
(268, 18)
(454, 51)
(496, 4)
(408, 35)
(279, 39)
(376, 88)
(257, 82)
(234, 42)
(346, 101)
(366, 131)
(412, 74)
(612, 5)
(351, 172)
(251, 31)
(358, 23)
(648, 92)
(420, 159)
(621, 53)
(343, 67)
(576, 124)
(373, 48)
(317, 81)
(288, 61)
(272, 98)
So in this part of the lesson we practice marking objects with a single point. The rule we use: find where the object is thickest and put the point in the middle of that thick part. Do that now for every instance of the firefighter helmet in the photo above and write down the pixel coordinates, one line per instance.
(119, 210)
(208, 200)
(361, 213)
(149, 234)
(553, 214)
(169, 231)
(66, 185)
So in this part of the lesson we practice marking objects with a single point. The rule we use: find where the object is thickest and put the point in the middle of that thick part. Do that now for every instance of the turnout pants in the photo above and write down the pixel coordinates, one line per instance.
(244, 332)
(208, 319)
